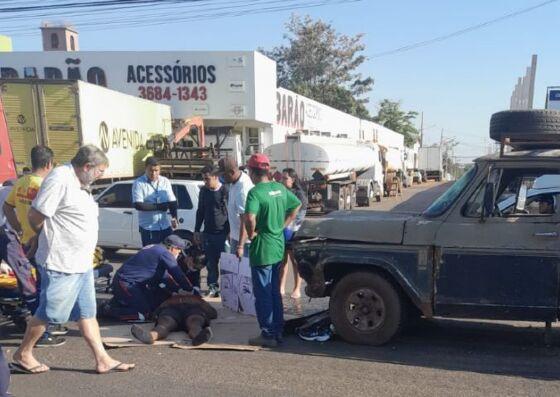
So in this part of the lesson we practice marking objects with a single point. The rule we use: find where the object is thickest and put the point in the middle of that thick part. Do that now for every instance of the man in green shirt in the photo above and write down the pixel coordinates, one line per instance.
(269, 209)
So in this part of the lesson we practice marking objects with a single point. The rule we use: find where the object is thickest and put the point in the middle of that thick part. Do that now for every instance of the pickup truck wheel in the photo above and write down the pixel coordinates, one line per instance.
(365, 308)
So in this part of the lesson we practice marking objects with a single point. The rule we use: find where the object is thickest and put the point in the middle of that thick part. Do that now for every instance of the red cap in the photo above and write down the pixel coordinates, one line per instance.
(260, 161)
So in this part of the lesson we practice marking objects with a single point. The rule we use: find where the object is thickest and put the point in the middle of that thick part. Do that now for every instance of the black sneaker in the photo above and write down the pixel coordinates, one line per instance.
(213, 292)
(50, 341)
(318, 334)
(57, 330)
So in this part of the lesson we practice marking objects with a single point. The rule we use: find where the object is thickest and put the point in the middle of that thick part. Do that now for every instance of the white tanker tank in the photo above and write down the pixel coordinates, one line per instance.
(329, 168)
(318, 158)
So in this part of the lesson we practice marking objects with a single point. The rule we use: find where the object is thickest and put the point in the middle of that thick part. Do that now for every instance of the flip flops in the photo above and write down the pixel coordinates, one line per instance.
(19, 368)
(117, 368)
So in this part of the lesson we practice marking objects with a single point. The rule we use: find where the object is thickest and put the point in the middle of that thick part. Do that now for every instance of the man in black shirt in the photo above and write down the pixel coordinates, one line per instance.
(212, 212)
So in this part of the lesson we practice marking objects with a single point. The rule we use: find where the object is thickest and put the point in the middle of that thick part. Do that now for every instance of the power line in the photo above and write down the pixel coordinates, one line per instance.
(469, 29)
(167, 14)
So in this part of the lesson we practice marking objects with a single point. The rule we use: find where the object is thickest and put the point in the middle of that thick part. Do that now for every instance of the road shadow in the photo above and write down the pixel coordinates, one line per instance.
(421, 200)
(454, 345)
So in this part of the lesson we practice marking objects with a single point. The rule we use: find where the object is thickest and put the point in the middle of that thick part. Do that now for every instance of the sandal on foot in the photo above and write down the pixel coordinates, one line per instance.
(19, 368)
(117, 368)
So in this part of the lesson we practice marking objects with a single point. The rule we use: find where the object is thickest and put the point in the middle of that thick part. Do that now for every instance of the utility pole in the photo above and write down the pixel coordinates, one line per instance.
(422, 129)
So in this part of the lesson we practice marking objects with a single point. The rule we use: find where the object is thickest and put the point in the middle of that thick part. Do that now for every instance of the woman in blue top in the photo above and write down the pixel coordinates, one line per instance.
(291, 180)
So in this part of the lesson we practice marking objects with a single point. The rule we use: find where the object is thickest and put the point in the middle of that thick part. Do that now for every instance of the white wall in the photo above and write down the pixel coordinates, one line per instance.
(295, 112)
(221, 85)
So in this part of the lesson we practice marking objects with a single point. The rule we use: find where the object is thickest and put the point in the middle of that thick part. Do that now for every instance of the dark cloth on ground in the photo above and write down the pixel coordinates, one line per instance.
(212, 211)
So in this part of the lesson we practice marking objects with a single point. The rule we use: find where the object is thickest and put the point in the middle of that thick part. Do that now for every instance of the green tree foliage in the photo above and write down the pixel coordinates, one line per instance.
(391, 116)
(321, 64)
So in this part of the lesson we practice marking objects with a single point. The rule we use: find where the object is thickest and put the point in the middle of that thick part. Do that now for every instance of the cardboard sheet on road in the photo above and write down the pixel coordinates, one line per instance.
(231, 331)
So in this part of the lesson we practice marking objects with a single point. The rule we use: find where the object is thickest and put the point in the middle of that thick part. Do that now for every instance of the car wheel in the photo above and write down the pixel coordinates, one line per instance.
(365, 308)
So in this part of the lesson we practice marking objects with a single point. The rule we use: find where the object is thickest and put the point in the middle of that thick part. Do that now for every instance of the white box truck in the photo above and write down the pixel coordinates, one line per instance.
(430, 160)
(66, 114)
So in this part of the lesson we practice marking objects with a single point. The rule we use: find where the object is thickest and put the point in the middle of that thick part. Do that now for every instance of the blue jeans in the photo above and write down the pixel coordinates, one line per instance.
(214, 245)
(268, 301)
(154, 236)
(66, 296)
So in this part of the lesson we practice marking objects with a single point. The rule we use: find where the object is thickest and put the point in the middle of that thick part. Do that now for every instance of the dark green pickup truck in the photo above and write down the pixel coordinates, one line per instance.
(487, 248)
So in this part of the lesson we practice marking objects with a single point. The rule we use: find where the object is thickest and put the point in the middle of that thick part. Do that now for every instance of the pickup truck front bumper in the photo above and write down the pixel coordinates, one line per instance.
(310, 268)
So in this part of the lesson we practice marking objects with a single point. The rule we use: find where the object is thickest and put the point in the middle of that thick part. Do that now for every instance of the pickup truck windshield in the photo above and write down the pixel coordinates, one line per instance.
(441, 205)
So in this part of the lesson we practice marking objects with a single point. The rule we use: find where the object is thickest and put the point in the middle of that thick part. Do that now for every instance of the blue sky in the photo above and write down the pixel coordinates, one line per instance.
(457, 83)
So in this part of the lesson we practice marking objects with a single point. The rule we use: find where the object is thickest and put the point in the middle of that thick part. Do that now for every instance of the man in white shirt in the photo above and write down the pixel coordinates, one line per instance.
(65, 214)
(239, 187)
(152, 195)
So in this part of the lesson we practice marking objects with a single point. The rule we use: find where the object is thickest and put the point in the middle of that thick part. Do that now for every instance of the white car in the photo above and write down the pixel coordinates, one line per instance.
(118, 220)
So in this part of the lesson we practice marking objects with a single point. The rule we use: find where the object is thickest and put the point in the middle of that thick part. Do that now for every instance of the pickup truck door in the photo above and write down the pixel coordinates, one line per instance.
(505, 267)
(116, 216)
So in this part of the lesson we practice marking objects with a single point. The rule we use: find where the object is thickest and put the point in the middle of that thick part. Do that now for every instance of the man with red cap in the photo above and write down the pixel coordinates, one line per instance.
(269, 209)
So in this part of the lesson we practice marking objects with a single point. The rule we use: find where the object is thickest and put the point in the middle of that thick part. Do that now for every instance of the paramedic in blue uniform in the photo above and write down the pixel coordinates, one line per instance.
(153, 196)
(137, 284)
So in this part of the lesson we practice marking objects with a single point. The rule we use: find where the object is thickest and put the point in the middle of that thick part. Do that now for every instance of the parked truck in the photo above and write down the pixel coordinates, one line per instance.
(329, 167)
(487, 248)
(430, 160)
(7, 164)
(67, 114)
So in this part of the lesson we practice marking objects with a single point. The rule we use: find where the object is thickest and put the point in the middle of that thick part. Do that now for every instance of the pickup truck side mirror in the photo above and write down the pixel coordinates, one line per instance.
(488, 205)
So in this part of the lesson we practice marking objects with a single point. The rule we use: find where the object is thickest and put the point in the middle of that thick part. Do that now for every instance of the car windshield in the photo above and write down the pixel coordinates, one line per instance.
(441, 205)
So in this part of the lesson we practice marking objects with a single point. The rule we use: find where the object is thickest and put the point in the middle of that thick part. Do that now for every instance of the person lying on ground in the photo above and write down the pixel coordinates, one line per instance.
(188, 313)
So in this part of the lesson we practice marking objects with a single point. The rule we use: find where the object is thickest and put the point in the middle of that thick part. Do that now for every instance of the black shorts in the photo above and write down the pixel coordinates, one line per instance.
(180, 315)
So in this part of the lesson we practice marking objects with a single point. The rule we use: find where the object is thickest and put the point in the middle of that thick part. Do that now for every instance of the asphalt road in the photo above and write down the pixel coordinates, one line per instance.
(431, 358)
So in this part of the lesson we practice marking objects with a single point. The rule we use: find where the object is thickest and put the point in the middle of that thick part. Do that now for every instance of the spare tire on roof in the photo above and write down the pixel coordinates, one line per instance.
(527, 128)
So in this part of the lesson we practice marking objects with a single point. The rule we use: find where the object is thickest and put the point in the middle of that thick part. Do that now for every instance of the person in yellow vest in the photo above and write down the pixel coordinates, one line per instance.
(18, 241)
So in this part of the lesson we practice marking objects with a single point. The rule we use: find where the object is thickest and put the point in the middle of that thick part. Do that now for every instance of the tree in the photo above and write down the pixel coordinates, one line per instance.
(322, 64)
(391, 116)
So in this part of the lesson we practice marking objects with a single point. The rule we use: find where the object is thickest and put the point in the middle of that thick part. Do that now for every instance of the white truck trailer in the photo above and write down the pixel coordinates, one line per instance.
(430, 160)
(329, 167)
(66, 114)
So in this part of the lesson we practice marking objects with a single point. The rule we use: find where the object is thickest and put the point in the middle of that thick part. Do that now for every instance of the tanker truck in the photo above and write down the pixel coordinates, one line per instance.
(330, 168)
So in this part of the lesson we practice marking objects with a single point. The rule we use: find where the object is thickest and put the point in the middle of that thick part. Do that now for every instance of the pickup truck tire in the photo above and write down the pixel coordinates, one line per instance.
(365, 308)
(525, 125)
